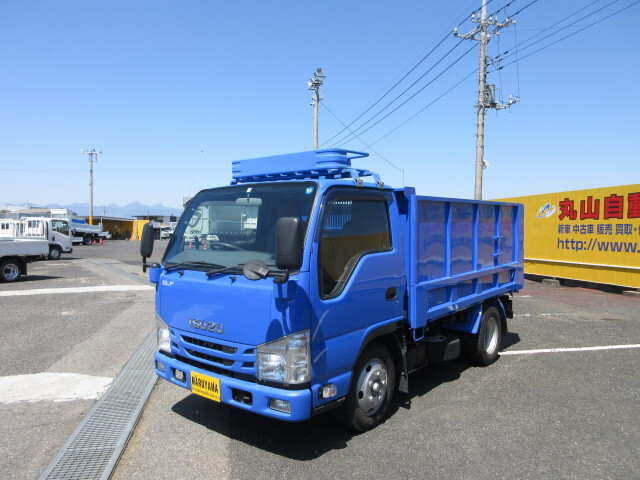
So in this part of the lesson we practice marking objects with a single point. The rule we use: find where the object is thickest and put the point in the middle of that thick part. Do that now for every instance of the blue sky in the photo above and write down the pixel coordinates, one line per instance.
(172, 92)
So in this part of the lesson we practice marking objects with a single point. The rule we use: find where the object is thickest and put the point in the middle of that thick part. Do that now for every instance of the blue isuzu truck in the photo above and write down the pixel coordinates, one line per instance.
(308, 285)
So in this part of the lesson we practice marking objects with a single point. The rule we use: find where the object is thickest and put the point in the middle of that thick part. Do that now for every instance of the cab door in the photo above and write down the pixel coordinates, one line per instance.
(61, 234)
(360, 284)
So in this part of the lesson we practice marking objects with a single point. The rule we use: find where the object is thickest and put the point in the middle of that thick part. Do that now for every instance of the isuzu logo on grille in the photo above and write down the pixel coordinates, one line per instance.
(207, 326)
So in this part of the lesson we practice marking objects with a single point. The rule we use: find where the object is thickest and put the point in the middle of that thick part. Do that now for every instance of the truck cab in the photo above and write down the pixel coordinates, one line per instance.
(300, 288)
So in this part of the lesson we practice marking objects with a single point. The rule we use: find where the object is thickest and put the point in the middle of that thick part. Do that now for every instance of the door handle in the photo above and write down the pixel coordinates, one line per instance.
(390, 293)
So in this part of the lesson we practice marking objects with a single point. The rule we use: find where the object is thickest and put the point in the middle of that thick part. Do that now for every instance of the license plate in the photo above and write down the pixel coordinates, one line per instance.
(205, 386)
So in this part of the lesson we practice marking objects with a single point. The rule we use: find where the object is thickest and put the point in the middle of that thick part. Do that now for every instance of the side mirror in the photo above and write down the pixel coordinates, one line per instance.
(288, 245)
(146, 245)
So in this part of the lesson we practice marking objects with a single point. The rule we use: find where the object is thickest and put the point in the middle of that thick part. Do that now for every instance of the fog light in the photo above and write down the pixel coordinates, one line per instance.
(160, 366)
(328, 390)
(280, 405)
(178, 375)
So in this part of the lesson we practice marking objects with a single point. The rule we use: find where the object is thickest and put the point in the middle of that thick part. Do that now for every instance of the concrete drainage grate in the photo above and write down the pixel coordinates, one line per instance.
(95, 446)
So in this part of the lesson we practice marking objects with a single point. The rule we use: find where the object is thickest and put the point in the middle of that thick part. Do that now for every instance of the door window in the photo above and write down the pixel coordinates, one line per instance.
(60, 227)
(353, 226)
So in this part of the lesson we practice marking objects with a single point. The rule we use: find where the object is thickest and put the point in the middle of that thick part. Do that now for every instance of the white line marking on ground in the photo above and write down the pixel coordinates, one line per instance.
(51, 291)
(57, 387)
(574, 349)
(542, 314)
(523, 296)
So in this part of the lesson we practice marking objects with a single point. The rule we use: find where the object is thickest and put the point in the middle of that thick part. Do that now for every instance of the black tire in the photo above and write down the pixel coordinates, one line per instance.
(372, 388)
(55, 253)
(86, 240)
(483, 347)
(10, 270)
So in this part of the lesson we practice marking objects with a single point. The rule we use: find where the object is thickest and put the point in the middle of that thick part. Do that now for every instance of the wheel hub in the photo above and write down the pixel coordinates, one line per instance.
(372, 387)
(491, 335)
(10, 272)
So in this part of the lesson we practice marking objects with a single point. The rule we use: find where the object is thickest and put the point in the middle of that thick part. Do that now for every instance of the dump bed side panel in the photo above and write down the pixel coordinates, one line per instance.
(461, 253)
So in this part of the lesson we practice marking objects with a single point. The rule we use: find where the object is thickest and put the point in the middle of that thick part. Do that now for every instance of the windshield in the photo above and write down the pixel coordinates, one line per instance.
(229, 226)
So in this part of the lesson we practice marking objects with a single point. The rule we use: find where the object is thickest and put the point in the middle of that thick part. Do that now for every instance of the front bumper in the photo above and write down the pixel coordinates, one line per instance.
(261, 395)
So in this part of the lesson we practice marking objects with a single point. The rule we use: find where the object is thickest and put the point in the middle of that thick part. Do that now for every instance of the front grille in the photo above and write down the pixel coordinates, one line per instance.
(211, 358)
(216, 356)
(209, 345)
(216, 370)
(205, 366)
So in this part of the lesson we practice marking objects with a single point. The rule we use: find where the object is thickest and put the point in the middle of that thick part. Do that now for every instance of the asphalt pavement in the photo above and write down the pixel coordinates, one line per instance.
(552, 406)
(79, 339)
(547, 415)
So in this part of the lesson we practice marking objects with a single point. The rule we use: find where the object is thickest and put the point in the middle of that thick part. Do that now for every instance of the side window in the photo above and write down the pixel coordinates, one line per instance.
(351, 228)
(60, 227)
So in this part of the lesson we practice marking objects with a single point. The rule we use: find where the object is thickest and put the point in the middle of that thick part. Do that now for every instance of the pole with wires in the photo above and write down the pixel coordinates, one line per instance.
(314, 84)
(486, 93)
(93, 157)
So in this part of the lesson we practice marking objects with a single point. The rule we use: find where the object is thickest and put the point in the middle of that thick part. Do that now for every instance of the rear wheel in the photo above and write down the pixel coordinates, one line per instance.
(9, 270)
(372, 388)
(86, 240)
(483, 347)
(55, 253)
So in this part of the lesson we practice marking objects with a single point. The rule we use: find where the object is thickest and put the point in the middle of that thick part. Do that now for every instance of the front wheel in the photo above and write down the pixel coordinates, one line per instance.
(483, 347)
(372, 388)
(55, 253)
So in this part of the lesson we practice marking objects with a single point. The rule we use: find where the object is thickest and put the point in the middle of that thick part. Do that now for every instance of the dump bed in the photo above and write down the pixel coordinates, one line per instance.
(461, 252)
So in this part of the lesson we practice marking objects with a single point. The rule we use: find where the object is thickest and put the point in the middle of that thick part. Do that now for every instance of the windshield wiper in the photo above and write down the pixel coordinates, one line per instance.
(186, 264)
(222, 268)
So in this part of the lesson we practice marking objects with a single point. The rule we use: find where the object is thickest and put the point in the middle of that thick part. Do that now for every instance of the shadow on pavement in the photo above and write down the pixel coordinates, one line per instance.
(33, 278)
(313, 438)
(297, 441)
(509, 340)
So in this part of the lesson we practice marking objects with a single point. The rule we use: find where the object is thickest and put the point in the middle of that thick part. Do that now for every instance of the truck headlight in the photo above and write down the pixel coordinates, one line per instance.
(285, 360)
(162, 333)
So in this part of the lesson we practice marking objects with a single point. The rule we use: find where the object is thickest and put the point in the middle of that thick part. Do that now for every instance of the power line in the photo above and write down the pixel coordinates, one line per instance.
(478, 9)
(342, 141)
(365, 143)
(571, 34)
(389, 90)
(523, 8)
(500, 9)
(504, 55)
(424, 108)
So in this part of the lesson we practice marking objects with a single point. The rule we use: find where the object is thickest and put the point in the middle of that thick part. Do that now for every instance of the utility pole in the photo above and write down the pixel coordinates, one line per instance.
(314, 84)
(486, 93)
(93, 157)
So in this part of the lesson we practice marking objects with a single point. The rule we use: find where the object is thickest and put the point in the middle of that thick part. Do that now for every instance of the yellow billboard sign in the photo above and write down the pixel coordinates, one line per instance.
(591, 235)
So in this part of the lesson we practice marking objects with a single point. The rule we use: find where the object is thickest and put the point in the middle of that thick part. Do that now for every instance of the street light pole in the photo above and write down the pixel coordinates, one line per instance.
(314, 84)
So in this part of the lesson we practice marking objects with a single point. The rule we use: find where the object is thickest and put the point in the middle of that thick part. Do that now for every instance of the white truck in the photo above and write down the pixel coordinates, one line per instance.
(15, 253)
(166, 232)
(53, 230)
(84, 233)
